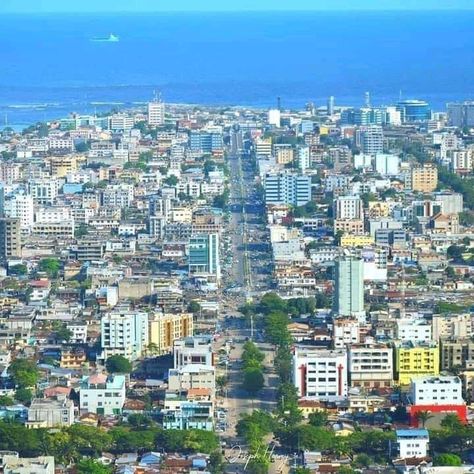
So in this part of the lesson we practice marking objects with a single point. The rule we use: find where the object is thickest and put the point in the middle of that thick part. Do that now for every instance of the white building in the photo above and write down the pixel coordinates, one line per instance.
(102, 394)
(345, 332)
(192, 376)
(304, 158)
(121, 122)
(49, 413)
(372, 140)
(412, 443)
(439, 390)
(414, 330)
(44, 191)
(20, 206)
(274, 117)
(124, 333)
(53, 214)
(320, 373)
(348, 207)
(370, 366)
(193, 350)
(386, 164)
(156, 113)
(11, 463)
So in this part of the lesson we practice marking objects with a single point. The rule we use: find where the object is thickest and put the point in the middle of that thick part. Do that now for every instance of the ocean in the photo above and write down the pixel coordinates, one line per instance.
(49, 65)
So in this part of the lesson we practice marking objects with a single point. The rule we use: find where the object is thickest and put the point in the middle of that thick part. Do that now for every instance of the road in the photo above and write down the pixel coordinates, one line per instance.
(249, 275)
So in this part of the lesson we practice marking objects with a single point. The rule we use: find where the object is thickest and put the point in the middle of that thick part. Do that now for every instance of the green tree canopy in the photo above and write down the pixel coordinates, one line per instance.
(253, 380)
(50, 266)
(118, 364)
(24, 373)
(91, 466)
(447, 459)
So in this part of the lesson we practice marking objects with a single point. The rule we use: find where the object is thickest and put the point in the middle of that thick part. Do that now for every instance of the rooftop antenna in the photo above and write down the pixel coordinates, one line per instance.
(279, 103)
(400, 95)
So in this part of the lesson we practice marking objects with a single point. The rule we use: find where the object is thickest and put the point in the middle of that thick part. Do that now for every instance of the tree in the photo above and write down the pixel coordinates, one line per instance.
(91, 466)
(24, 373)
(118, 364)
(447, 459)
(6, 401)
(252, 356)
(63, 334)
(276, 328)
(221, 382)
(194, 307)
(318, 418)
(455, 252)
(139, 421)
(23, 395)
(18, 270)
(171, 180)
(81, 230)
(271, 302)
(82, 147)
(451, 422)
(50, 266)
(423, 416)
(253, 380)
(216, 462)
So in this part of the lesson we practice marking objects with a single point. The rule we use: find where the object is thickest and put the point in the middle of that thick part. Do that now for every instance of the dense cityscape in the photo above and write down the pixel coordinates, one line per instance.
(197, 289)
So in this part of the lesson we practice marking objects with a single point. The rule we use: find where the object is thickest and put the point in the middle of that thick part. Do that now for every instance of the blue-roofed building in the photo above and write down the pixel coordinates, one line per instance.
(412, 443)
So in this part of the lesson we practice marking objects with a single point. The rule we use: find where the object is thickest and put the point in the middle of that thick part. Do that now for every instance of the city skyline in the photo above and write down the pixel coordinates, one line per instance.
(89, 6)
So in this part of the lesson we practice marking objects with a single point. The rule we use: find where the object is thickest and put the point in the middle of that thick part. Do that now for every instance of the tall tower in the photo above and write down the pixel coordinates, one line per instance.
(330, 106)
(367, 100)
(349, 287)
(156, 111)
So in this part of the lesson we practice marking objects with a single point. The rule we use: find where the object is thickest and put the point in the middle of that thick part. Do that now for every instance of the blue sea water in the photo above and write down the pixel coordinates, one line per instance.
(49, 66)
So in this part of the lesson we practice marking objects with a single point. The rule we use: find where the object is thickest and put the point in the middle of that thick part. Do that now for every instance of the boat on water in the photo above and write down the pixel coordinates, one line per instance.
(107, 39)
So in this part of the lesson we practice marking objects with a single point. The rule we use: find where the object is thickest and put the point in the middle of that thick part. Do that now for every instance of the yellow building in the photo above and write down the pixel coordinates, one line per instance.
(348, 240)
(164, 329)
(415, 361)
(424, 179)
(62, 165)
(284, 154)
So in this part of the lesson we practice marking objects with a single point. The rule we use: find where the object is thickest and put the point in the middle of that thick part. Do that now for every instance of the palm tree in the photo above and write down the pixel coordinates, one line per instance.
(152, 348)
(451, 422)
(423, 416)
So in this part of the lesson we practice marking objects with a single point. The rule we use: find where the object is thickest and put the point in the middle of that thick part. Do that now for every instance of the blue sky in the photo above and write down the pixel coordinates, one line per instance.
(26, 6)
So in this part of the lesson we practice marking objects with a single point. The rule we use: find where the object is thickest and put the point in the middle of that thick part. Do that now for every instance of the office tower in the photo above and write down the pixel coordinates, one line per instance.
(156, 113)
(330, 106)
(10, 238)
(461, 114)
(287, 188)
(424, 178)
(349, 287)
(124, 333)
(263, 147)
(206, 141)
(274, 117)
(367, 116)
(414, 110)
(204, 255)
(372, 140)
(348, 207)
(392, 116)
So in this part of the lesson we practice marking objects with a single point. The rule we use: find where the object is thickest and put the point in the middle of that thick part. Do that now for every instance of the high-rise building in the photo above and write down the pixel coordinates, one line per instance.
(414, 110)
(349, 287)
(204, 255)
(424, 178)
(304, 158)
(124, 333)
(287, 188)
(330, 106)
(372, 140)
(156, 113)
(10, 238)
(166, 328)
(368, 116)
(461, 114)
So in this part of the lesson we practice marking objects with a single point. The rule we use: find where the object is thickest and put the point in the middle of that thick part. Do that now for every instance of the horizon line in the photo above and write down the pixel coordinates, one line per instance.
(256, 10)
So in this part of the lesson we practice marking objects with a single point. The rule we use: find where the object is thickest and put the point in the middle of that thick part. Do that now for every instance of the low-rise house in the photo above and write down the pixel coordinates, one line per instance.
(49, 413)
